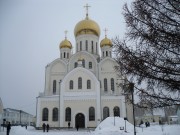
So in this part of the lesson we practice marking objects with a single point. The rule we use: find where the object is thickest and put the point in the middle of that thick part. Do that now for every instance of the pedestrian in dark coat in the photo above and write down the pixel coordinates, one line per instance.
(69, 124)
(8, 128)
(44, 127)
(47, 127)
(77, 127)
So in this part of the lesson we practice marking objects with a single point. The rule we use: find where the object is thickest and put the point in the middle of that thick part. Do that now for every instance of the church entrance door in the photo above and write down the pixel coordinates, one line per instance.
(80, 120)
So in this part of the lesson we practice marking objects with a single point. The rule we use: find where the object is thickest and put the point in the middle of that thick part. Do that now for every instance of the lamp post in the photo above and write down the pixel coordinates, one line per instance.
(114, 116)
(129, 89)
(59, 102)
(125, 123)
(20, 116)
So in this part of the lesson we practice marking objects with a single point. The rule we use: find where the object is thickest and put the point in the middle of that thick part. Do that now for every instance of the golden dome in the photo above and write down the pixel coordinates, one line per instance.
(65, 44)
(106, 42)
(87, 26)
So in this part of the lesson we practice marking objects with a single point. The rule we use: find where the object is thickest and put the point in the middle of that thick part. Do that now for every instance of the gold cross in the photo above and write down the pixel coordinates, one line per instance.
(65, 32)
(105, 30)
(87, 6)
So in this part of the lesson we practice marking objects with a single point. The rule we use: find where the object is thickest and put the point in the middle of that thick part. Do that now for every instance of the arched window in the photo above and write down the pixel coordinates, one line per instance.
(91, 114)
(105, 84)
(83, 63)
(68, 55)
(90, 65)
(64, 55)
(71, 84)
(112, 84)
(79, 83)
(80, 45)
(75, 64)
(55, 114)
(92, 47)
(86, 45)
(68, 114)
(103, 53)
(96, 48)
(45, 113)
(105, 112)
(106, 53)
(88, 84)
(116, 111)
(54, 86)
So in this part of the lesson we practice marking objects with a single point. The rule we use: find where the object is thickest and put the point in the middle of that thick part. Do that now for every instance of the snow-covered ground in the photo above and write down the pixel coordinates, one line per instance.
(105, 128)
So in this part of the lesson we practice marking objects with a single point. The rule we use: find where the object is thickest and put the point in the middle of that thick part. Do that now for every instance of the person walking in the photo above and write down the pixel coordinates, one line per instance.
(77, 127)
(69, 124)
(8, 128)
(44, 127)
(47, 127)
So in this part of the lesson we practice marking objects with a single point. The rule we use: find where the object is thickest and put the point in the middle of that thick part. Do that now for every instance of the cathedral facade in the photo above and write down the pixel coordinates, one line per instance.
(82, 88)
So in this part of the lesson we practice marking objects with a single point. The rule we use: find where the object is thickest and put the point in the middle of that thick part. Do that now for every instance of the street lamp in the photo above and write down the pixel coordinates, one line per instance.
(114, 115)
(59, 102)
(129, 89)
(125, 123)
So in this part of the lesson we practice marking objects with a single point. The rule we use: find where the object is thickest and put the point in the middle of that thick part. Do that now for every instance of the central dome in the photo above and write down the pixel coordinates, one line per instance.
(87, 26)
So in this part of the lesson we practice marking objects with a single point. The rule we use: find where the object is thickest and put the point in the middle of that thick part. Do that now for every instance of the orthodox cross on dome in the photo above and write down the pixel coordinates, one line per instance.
(87, 6)
(105, 30)
(65, 32)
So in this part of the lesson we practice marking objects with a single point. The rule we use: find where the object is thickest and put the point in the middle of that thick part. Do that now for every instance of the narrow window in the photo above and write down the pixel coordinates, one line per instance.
(54, 86)
(91, 114)
(79, 83)
(90, 65)
(75, 64)
(92, 48)
(88, 84)
(68, 55)
(106, 53)
(86, 45)
(112, 84)
(96, 48)
(45, 114)
(68, 114)
(64, 54)
(71, 85)
(83, 63)
(55, 114)
(80, 45)
(105, 112)
(105, 85)
(61, 55)
(103, 53)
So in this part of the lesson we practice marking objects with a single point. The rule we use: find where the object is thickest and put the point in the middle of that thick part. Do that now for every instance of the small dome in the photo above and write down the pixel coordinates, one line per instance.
(87, 26)
(65, 44)
(106, 42)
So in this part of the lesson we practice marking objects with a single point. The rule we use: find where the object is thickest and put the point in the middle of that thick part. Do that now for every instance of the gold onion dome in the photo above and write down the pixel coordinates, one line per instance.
(65, 44)
(87, 26)
(106, 42)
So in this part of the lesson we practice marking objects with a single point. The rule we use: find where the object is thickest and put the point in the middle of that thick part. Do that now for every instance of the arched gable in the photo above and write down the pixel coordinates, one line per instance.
(58, 65)
(107, 64)
(84, 74)
(84, 55)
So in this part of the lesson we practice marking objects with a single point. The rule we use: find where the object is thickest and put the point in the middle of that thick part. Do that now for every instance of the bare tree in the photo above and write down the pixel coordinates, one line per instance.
(150, 52)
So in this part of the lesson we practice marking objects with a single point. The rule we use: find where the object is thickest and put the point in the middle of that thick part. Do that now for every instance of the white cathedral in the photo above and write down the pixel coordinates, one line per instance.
(82, 87)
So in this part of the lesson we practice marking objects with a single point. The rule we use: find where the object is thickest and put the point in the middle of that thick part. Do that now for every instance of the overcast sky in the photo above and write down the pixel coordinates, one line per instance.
(30, 33)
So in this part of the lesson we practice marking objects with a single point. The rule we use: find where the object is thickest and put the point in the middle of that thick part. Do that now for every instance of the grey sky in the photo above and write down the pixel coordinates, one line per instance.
(30, 33)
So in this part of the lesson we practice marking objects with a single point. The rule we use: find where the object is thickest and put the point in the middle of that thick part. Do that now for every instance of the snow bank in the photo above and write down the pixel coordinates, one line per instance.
(110, 125)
